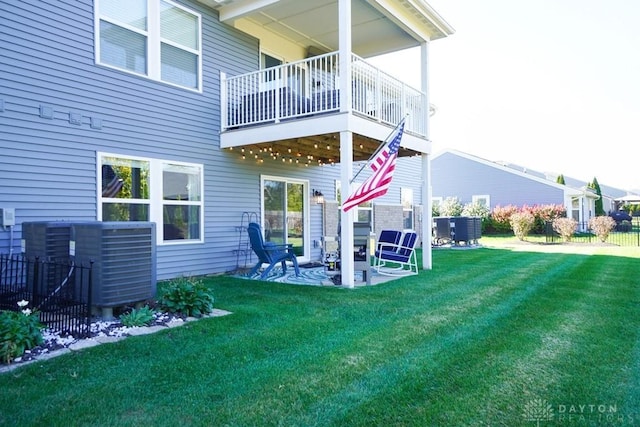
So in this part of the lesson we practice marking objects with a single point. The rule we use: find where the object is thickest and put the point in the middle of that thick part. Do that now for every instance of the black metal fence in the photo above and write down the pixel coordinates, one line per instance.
(59, 290)
(626, 233)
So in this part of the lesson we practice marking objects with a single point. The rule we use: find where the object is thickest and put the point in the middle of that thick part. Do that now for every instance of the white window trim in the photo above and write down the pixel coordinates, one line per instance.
(156, 200)
(154, 42)
(478, 197)
(410, 207)
(306, 208)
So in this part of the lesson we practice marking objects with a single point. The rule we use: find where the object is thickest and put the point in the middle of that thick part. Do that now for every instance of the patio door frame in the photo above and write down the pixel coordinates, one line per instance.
(306, 201)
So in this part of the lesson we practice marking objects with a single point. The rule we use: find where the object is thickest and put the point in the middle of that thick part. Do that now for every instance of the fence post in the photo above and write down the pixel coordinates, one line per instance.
(89, 294)
(36, 277)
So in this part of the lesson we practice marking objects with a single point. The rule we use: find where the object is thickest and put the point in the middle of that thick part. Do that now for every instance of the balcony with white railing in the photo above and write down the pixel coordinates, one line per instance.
(310, 87)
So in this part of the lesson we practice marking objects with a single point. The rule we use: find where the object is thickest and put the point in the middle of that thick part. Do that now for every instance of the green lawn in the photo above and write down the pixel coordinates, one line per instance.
(488, 337)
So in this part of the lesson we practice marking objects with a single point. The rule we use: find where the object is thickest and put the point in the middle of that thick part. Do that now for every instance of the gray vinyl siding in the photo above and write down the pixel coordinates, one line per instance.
(48, 166)
(456, 176)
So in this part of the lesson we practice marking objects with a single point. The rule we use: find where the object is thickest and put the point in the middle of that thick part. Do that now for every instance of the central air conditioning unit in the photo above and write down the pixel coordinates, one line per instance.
(46, 240)
(124, 260)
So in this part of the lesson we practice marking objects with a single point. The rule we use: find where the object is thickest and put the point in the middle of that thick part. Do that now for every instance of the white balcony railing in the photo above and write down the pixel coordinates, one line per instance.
(311, 87)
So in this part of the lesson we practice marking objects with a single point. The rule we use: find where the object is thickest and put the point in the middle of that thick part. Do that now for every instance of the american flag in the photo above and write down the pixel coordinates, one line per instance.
(383, 166)
(111, 182)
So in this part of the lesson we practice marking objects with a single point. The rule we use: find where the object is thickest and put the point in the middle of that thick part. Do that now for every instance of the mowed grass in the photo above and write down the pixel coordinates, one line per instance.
(488, 337)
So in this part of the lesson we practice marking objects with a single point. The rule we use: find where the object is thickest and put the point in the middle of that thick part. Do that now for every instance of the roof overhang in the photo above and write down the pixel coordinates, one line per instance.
(378, 26)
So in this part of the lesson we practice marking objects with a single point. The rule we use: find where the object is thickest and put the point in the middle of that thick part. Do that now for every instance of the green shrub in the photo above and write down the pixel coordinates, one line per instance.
(19, 331)
(186, 295)
(137, 317)
(565, 227)
(522, 224)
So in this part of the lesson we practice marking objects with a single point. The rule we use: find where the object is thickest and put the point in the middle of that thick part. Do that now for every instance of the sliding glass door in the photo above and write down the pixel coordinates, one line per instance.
(284, 206)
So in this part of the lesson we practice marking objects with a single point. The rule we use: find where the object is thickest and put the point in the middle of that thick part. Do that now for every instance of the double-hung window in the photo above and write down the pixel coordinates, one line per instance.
(165, 192)
(158, 39)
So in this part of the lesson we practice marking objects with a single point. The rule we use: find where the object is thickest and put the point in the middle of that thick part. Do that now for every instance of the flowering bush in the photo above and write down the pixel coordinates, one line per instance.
(522, 224)
(19, 331)
(475, 209)
(499, 218)
(543, 214)
(451, 207)
(565, 227)
(602, 226)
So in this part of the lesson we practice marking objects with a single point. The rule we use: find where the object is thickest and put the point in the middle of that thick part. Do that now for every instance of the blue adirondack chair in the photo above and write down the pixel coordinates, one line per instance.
(269, 253)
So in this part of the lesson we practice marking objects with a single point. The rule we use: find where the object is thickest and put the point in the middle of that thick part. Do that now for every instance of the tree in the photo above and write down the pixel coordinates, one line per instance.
(560, 179)
(599, 206)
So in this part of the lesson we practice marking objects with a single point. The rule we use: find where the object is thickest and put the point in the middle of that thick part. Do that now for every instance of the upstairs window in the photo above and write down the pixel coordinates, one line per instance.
(154, 38)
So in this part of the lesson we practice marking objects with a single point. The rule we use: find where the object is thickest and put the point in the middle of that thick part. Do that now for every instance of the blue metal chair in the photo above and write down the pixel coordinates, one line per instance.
(388, 236)
(402, 257)
(269, 253)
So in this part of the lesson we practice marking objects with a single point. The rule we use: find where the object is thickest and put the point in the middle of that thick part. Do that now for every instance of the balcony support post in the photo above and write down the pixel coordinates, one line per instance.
(346, 218)
(427, 219)
(344, 54)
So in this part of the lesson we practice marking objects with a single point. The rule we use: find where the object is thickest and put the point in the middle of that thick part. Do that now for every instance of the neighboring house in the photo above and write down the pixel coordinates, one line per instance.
(609, 194)
(190, 114)
(473, 179)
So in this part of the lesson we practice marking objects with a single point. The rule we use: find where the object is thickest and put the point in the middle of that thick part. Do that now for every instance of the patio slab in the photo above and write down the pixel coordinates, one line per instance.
(315, 276)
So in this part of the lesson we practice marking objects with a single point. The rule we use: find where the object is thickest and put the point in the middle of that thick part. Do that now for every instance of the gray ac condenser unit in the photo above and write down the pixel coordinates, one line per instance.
(46, 239)
(124, 260)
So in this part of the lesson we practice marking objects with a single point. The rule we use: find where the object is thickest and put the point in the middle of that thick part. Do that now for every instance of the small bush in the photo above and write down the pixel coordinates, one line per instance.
(498, 220)
(19, 331)
(543, 214)
(475, 209)
(602, 226)
(186, 295)
(435, 210)
(451, 207)
(522, 224)
(137, 317)
(565, 227)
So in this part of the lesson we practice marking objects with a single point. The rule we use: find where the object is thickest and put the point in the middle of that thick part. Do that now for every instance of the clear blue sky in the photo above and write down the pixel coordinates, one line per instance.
(552, 85)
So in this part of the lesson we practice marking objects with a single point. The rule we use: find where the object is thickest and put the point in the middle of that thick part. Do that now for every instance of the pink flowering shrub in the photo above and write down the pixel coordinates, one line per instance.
(522, 223)
(499, 219)
(602, 226)
(565, 227)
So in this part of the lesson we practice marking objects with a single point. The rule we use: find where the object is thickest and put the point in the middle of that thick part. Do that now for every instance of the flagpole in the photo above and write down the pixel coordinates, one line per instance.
(380, 147)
